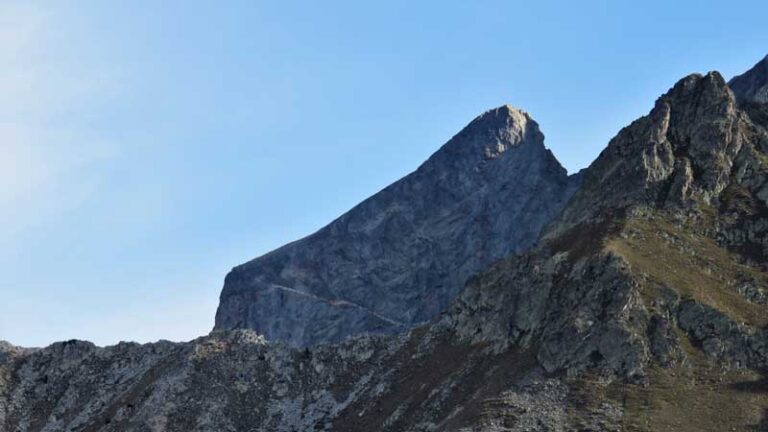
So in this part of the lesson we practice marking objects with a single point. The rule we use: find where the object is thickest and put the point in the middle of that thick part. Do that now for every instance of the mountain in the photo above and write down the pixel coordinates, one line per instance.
(399, 258)
(643, 306)
(751, 86)
(751, 91)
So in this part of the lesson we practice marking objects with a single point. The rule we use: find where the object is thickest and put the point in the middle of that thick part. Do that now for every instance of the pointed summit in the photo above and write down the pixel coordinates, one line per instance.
(400, 257)
(488, 136)
(683, 148)
(752, 85)
(504, 117)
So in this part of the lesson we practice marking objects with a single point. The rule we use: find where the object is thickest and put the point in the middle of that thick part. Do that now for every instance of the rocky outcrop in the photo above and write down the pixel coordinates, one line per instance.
(401, 256)
(573, 314)
(720, 337)
(684, 147)
(236, 381)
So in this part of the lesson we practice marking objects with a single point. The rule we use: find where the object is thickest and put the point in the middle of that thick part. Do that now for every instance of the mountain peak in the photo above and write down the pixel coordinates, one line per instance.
(505, 116)
(506, 110)
(399, 258)
(490, 135)
(683, 148)
(752, 85)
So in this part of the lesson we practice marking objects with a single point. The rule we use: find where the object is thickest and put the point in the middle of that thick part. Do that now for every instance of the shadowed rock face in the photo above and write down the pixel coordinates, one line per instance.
(751, 90)
(400, 257)
(752, 86)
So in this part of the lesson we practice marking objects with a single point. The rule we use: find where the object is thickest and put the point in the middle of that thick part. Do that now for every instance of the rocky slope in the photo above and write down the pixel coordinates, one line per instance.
(642, 308)
(402, 255)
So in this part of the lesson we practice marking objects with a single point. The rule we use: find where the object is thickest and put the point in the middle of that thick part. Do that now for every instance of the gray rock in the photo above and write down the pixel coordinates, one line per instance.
(751, 90)
(236, 381)
(663, 342)
(577, 314)
(693, 131)
(737, 346)
(752, 86)
(401, 256)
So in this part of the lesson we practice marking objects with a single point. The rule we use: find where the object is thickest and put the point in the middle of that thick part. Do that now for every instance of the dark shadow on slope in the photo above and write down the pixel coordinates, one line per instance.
(471, 376)
(759, 385)
(763, 426)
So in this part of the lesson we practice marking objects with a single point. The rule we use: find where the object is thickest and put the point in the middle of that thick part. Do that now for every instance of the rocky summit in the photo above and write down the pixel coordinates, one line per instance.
(642, 306)
(400, 257)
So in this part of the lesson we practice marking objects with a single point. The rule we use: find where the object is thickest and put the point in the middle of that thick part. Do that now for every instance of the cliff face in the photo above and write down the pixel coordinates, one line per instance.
(643, 307)
(751, 90)
(402, 255)
(752, 86)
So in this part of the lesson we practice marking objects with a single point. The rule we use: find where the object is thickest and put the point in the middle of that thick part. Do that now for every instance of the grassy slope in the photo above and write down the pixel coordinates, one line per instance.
(698, 395)
(676, 256)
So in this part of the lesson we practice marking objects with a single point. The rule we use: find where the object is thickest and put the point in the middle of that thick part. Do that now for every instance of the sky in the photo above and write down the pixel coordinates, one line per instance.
(148, 147)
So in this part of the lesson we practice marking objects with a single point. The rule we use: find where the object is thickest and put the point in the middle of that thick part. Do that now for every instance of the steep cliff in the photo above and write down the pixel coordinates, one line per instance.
(400, 257)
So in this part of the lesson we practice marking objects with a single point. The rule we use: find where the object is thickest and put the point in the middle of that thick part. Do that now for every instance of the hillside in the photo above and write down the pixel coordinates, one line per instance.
(642, 307)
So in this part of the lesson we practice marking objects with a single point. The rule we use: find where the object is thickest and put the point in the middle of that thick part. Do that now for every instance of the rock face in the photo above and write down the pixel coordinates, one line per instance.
(751, 90)
(402, 255)
(693, 132)
(641, 308)
(752, 86)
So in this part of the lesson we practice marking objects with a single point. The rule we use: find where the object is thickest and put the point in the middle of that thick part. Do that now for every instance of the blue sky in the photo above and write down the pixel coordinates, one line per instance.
(148, 147)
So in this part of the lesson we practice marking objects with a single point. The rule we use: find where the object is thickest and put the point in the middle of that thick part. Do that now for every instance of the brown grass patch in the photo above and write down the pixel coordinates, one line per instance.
(692, 264)
(473, 376)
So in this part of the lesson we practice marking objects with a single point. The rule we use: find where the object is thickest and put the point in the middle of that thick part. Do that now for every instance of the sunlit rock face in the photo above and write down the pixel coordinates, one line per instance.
(400, 257)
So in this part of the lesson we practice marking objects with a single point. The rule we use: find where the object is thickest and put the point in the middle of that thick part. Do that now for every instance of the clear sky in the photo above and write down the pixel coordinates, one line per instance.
(147, 147)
